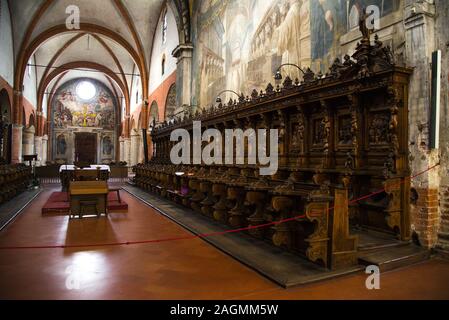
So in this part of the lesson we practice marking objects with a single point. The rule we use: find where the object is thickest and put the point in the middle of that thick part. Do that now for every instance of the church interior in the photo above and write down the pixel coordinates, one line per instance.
(228, 150)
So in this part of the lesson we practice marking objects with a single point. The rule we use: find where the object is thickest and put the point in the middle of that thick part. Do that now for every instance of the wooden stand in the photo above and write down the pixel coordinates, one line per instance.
(88, 198)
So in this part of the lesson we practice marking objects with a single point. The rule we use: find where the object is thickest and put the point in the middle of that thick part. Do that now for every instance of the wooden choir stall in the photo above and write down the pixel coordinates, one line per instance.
(342, 136)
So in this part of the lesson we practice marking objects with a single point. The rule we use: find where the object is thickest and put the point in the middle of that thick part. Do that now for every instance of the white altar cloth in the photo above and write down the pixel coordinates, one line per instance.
(70, 167)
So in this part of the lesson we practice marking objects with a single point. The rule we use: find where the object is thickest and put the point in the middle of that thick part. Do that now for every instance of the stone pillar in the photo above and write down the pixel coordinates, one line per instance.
(16, 148)
(420, 43)
(141, 158)
(442, 41)
(135, 145)
(28, 141)
(121, 141)
(39, 127)
(44, 150)
(127, 151)
(184, 55)
(38, 150)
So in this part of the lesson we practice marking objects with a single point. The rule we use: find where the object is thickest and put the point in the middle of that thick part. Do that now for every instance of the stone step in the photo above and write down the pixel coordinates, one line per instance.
(394, 257)
(370, 241)
(367, 248)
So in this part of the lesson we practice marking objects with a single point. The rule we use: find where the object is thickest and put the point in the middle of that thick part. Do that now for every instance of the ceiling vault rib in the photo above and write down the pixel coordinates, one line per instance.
(134, 43)
(84, 27)
(18, 77)
(144, 76)
(77, 69)
(50, 64)
(119, 66)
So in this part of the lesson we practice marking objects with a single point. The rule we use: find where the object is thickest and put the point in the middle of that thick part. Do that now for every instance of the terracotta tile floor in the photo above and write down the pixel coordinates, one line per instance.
(189, 269)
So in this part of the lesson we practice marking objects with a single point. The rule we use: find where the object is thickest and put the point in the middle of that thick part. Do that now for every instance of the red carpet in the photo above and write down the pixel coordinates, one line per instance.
(58, 203)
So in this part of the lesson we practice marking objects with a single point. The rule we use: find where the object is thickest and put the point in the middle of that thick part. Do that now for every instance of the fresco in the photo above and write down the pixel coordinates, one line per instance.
(69, 110)
(61, 145)
(333, 18)
(239, 44)
(89, 111)
(108, 146)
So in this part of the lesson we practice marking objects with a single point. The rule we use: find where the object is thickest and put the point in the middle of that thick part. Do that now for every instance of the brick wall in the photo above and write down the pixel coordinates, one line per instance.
(425, 216)
(28, 107)
(160, 95)
(29, 110)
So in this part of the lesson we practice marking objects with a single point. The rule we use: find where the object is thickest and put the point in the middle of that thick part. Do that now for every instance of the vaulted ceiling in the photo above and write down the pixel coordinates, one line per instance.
(113, 43)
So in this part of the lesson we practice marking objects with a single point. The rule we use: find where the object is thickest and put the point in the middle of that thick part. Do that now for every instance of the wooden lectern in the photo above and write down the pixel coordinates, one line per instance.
(88, 198)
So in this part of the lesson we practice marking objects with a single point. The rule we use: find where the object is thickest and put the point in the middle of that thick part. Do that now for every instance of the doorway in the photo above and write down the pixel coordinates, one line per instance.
(86, 147)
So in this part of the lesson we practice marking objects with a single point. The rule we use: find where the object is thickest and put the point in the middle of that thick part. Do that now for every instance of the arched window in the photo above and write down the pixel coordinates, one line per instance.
(30, 63)
(163, 65)
(164, 27)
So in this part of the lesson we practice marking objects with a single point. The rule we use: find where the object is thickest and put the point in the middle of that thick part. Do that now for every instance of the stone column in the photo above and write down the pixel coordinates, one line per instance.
(44, 150)
(121, 141)
(184, 55)
(420, 43)
(127, 151)
(16, 148)
(141, 158)
(135, 137)
(39, 151)
(442, 41)
(28, 141)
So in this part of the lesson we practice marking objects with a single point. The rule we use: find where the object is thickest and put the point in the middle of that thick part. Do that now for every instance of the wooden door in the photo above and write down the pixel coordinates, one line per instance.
(86, 147)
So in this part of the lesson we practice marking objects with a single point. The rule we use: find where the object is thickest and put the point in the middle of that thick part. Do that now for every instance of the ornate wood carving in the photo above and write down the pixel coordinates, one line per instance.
(341, 135)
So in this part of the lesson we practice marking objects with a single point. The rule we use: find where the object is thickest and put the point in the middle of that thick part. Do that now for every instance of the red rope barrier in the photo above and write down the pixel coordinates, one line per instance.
(205, 235)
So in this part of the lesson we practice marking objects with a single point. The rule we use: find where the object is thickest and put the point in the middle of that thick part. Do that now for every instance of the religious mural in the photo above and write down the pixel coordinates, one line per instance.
(170, 105)
(61, 145)
(108, 146)
(69, 110)
(239, 44)
(333, 18)
(83, 106)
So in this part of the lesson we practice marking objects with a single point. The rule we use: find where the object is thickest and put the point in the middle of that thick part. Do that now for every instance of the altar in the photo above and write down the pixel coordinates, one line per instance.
(68, 173)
